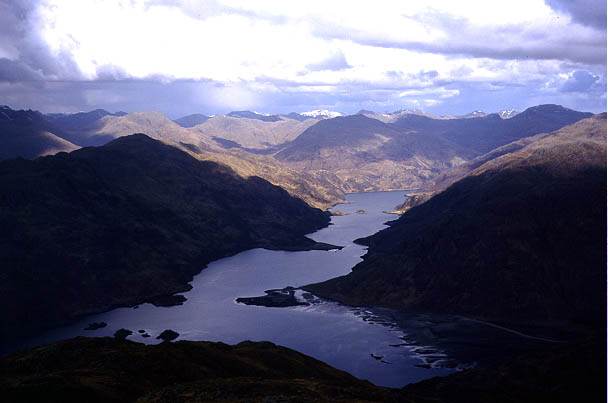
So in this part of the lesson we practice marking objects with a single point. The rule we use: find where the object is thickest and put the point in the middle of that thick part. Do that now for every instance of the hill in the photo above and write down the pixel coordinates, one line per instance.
(110, 370)
(126, 222)
(191, 120)
(31, 134)
(254, 115)
(75, 126)
(367, 154)
(520, 238)
(27, 134)
(479, 135)
(370, 151)
(253, 133)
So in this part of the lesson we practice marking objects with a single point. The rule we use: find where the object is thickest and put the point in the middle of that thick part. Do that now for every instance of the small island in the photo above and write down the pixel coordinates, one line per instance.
(278, 298)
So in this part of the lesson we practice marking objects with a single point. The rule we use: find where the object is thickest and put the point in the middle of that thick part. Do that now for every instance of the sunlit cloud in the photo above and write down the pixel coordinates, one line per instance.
(273, 55)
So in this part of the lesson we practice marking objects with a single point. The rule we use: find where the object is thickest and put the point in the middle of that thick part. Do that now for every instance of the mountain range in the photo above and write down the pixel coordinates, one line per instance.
(126, 222)
(514, 239)
(507, 229)
(323, 154)
(28, 134)
(368, 154)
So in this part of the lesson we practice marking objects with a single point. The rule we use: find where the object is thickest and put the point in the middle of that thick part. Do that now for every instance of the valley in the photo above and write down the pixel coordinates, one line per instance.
(495, 254)
(303, 202)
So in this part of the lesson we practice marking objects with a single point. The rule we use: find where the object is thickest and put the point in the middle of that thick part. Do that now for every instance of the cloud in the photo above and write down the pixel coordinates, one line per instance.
(182, 56)
(457, 36)
(586, 12)
(580, 81)
(13, 71)
(334, 62)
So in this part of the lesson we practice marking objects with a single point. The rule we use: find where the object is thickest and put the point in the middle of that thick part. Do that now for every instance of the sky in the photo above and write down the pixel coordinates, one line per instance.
(278, 56)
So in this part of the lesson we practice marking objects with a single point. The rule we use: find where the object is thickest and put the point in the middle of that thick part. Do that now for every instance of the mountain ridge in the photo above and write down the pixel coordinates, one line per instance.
(122, 223)
(511, 241)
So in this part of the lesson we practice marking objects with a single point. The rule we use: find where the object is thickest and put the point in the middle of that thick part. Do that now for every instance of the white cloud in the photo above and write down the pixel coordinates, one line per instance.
(339, 51)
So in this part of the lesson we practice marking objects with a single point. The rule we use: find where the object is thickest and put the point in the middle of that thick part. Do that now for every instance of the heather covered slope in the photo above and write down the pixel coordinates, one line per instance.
(520, 238)
(126, 222)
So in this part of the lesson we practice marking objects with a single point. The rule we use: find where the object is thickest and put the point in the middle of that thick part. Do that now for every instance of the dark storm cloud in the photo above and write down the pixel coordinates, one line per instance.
(12, 71)
(21, 44)
(586, 12)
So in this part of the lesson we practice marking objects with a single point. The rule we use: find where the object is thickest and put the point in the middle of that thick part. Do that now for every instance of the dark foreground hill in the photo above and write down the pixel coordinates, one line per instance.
(109, 370)
(521, 238)
(125, 222)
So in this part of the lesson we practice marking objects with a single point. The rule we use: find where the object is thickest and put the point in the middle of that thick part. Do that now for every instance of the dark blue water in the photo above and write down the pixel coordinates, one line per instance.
(341, 336)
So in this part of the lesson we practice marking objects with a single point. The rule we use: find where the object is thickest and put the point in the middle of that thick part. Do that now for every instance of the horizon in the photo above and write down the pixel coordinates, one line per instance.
(229, 111)
(181, 57)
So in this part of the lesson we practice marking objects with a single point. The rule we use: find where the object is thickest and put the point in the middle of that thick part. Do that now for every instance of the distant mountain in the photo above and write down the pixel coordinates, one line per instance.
(75, 126)
(254, 115)
(321, 113)
(28, 134)
(253, 133)
(581, 128)
(191, 120)
(126, 222)
(483, 134)
(391, 117)
(296, 116)
(155, 125)
(474, 114)
(508, 113)
(368, 154)
(206, 142)
(521, 238)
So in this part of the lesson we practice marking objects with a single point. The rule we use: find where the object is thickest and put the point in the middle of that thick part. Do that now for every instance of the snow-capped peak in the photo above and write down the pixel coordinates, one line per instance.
(508, 113)
(321, 113)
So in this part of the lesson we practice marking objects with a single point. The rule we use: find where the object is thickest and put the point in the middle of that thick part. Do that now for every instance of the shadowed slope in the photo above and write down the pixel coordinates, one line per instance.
(125, 222)
(107, 370)
(521, 238)
(27, 134)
